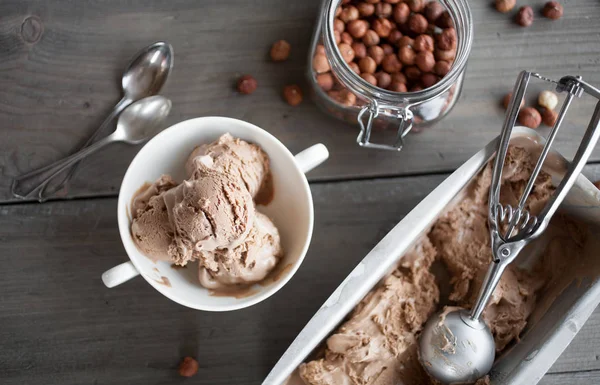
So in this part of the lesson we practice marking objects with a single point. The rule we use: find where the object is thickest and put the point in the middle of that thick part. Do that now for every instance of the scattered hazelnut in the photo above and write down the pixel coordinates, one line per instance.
(280, 50)
(358, 28)
(188, 367)
(442, 67)
(525, 16)
(320, 63)
(369, 78)
(506, 101)
(371, 38)
(349, 13)
(553, 10)
(399, 77)
(407, 55)
(398, 87)
(325, 81)
(365, 9)
(548, 99)
(423, 43)
(412, 73)
(425, 61)
(447, 39)
(433, 11)
(367, 65)
(417, 23)
(347, 52)
(376, 52)
(401, 12)
(445, 21)
(383, 9)
(339, 25)
(406, 41)
(360, 50)
(390, 64)
(354, 67)
(530, 117)
(549, 117)
(394, 36)
(428, 79)
(292, 95)
(448, 55)
(383, 27)
(320, 49)
(387, 49)
(246, 85)
(383, 79)
(505, 5)
(416, 5)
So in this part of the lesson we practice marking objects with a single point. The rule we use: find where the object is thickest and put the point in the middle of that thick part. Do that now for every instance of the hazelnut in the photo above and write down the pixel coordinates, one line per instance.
(390, 64)
(280, 50)
(549, 117)
(399, 77)
(398, 87)
(338, 11)
(320, 49)
(548, 99)
(394, 36)
(401, 12)
(428, 79)
(552, 10)
(445, 20)
(433, 11)
(406, 41)
(417, 23)
(407, 55)
(442, 67)
(425, 61)
(505, 5)
(320, 63)
(371, 38)
(367, 65)
(530, 117)
(360, 50)
(347, 52)
(506, 101)
(325, 81)
(383, 79)
(188, 367)
(387, 49)
(447, 39)
(344, 97)
(416, 5)
(369, 78)
(448, 55)
(383, 10)
(412, 73)
(347, 38)
(597, 184)
(246, 85)
(292, 95)
(376, 52)
(525, 16)
(392, 1)
(339, 25)
(338, 37)
(365, 9)
(423, 43)
(416, 88)
(349, 13)
(383, 27)
(358, 28)
(354, 67)
(372, 1)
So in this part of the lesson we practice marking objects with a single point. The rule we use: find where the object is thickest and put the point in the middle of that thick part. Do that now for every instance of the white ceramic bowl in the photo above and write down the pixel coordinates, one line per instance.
(291, 209)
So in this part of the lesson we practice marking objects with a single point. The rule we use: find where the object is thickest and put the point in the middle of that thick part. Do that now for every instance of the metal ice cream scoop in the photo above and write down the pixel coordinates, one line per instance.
(456, 346)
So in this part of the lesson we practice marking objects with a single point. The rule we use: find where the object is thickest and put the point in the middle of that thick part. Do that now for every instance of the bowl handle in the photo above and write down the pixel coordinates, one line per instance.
(311, 157)
(119, 274)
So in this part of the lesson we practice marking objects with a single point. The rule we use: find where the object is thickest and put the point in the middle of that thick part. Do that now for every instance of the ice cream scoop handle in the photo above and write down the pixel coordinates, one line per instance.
(119, 274)
(311, 157)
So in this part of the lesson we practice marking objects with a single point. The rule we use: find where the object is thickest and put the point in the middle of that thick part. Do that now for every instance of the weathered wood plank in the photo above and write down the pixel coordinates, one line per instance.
(578, 378)
(60, 325)
(56, 90)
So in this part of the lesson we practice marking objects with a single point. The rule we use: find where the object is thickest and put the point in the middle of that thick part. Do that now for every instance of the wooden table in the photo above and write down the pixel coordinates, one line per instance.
(60, 62)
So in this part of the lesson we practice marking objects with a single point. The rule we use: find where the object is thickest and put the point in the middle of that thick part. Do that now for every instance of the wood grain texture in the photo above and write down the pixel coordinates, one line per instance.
(60, 325)
(60, 64)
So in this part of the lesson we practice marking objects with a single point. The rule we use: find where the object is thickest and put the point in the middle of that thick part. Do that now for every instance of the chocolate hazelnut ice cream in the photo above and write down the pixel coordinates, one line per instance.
(377, 345)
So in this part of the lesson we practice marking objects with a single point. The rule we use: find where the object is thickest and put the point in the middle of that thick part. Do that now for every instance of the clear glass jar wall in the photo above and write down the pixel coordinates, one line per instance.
(389, 63)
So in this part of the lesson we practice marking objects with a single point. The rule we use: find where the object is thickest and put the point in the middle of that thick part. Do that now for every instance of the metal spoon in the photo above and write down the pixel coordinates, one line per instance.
(145, 75)
(139, 122)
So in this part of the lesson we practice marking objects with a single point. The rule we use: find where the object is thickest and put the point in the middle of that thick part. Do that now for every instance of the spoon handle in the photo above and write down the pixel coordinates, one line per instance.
(40, 177)
(119, 107)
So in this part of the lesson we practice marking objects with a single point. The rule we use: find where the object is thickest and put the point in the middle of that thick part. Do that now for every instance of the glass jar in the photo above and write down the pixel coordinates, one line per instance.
(355, 100)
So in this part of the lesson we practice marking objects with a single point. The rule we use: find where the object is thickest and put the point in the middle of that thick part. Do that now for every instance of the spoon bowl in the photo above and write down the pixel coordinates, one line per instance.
(143, 119)
(148, 71)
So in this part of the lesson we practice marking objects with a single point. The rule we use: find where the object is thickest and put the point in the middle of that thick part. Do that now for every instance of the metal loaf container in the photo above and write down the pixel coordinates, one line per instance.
(545, 338)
